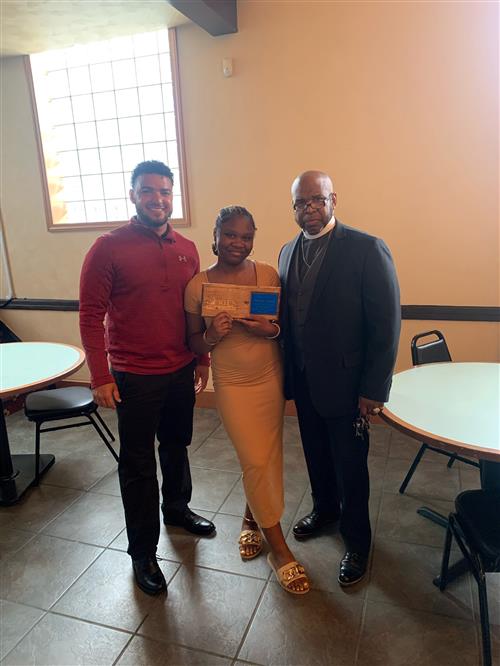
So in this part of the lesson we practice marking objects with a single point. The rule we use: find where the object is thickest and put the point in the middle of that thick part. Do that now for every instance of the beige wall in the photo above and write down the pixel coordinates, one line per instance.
(397, 101)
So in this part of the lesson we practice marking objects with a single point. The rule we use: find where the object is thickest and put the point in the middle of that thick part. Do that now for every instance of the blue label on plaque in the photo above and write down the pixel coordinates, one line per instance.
(263, 303)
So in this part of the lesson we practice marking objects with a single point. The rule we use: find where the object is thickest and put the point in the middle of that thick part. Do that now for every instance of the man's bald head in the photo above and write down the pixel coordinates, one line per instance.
(313, 200)
(313, 176)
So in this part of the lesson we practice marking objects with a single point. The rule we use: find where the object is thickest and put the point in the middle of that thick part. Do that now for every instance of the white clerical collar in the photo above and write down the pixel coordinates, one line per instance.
(326, 230)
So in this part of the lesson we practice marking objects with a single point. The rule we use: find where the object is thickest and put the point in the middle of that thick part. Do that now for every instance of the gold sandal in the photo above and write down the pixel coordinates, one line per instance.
(288, 574)
(250, 538)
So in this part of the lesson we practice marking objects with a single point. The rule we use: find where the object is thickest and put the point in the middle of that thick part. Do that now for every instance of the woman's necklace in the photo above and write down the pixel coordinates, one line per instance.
(245, 276)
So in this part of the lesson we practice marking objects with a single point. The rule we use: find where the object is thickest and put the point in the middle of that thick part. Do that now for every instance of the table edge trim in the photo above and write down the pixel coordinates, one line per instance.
(27, 388)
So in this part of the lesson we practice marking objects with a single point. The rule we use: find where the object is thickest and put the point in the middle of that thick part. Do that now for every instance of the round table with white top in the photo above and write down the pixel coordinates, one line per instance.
(455, 406)
(26, 367)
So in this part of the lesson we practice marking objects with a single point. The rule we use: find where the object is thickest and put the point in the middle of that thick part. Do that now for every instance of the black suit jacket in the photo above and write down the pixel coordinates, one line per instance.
(351, 332)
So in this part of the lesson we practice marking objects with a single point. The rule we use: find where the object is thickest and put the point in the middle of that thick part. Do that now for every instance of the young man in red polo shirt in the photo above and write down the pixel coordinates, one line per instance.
(133, 330)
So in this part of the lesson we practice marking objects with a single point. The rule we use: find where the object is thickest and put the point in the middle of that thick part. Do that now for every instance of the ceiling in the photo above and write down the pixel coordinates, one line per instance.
(32, 26)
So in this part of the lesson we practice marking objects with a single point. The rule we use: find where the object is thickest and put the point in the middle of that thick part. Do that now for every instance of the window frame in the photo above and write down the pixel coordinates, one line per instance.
(179, 128)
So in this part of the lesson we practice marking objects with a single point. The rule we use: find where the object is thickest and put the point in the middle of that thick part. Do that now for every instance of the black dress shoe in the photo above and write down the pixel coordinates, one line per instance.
(148, 575)
(311, 524)
(190, 521)
(352, 569)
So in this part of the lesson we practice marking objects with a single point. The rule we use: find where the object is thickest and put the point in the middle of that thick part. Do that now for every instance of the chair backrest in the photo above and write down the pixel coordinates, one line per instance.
(6, 335)
(435, 351)
(477, 515)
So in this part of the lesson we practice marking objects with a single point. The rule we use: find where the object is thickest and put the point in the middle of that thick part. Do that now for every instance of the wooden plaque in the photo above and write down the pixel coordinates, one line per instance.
(240, 301)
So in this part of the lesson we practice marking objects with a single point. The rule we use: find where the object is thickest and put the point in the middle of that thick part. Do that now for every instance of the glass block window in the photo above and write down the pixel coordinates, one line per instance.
(102, 108)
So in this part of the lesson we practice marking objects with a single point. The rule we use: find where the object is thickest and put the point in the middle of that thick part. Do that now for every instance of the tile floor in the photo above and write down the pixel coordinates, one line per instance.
(67, 594)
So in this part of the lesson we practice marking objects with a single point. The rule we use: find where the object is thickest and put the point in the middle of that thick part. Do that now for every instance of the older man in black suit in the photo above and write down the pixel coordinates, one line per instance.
(340, 324)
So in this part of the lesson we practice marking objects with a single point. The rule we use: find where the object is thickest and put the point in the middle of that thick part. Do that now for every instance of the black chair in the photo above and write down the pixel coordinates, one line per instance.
(60, 404)
(433, 351)
(476, 528)
(6, 335)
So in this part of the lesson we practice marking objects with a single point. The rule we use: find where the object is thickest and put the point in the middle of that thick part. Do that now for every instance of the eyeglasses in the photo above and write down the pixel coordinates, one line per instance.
(314, 202)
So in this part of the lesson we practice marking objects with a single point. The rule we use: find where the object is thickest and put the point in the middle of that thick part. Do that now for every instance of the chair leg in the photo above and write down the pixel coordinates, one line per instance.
(443, 577)
(485, 621)
(103, 423)
(451, 460)
(412, 469)
(37, 454)
(477, 568)
(101, 435)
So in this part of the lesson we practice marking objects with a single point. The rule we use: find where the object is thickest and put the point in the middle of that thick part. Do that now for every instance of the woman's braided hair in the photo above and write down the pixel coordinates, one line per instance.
(225, 215)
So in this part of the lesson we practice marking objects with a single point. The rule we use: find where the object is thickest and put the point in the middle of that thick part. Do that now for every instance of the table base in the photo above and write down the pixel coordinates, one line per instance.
(434, 516)
(13, 488)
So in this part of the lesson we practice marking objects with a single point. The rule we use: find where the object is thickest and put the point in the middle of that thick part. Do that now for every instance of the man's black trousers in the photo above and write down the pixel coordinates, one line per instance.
(161, 406)
(337, 462)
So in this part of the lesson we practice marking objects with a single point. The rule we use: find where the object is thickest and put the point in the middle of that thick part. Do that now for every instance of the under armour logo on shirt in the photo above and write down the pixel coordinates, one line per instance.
(182, 257)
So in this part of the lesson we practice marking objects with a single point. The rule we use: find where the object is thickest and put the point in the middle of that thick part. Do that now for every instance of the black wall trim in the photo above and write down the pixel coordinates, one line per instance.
(56, 304)
(421, 312)
(451, 312)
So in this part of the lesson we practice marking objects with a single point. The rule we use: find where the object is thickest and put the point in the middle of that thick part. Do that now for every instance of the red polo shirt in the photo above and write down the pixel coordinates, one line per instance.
(132, 302)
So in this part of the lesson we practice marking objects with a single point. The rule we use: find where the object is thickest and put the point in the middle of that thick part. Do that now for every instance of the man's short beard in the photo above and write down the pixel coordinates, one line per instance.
(155, 224)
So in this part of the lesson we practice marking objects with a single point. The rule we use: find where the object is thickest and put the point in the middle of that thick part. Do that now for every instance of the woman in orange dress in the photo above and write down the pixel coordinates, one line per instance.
(248, 379)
